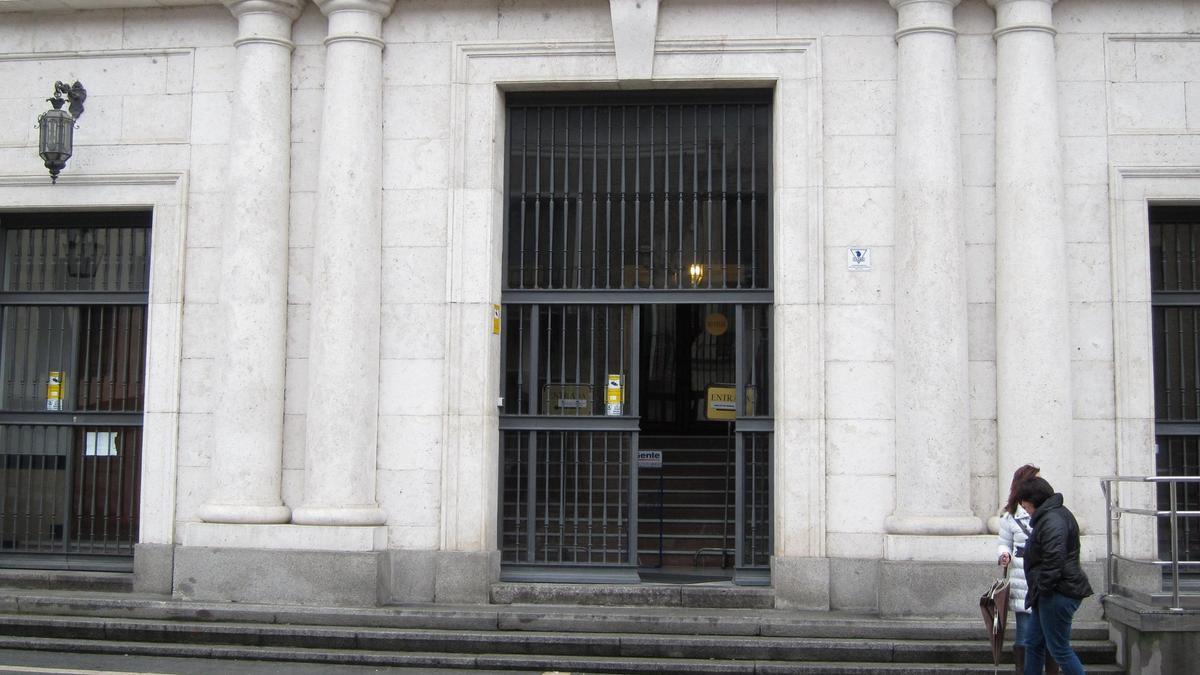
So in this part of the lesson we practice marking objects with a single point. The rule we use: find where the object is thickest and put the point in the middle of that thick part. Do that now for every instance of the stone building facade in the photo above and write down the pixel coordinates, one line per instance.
(329, 183)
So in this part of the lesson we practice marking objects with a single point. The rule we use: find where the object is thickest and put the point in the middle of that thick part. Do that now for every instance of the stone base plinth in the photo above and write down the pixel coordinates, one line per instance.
(439, 576)
(901, 588)
(153, 565)
(275, 576)
(1153, 640)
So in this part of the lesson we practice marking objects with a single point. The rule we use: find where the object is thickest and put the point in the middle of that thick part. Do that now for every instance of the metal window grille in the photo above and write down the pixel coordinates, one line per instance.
(72, 368)
(566, 496)
(639, 195)
(617, 203)
(756, 500)
(1175, 279)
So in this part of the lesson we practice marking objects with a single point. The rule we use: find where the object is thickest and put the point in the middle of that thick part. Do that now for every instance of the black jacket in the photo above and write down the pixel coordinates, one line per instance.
(1052, 554)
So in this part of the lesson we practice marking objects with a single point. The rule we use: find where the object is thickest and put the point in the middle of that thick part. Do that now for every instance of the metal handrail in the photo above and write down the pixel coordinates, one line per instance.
(1173, 513)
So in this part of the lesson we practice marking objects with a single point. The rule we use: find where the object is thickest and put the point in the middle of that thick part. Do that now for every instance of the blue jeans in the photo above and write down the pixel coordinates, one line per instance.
(1050, 631)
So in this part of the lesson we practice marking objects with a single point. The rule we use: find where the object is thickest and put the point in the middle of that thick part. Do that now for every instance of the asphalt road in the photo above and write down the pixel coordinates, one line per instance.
(27, 662)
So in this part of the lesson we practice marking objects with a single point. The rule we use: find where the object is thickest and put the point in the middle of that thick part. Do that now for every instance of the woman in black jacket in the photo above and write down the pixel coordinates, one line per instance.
(1055, 578)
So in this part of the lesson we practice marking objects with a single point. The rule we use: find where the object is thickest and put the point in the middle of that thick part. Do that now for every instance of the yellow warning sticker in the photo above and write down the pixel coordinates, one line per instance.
(54, 390)
(614, 396)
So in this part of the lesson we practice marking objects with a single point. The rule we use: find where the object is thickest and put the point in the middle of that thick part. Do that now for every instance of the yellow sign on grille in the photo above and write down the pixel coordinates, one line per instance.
(54, 390)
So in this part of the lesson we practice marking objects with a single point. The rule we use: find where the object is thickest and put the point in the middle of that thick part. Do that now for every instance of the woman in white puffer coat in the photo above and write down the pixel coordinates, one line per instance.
(1014, 530)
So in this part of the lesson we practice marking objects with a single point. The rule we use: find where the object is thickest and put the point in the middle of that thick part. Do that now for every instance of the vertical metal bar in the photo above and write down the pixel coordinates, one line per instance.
(112, 355)
(724, 196)
(695, 187)
(518, 395)
(738, 198)
(537, 208)
(562, 494)
(124, 347)
(1191, 285)
(575, 504)
(634, 406)
(563, 345)
(521, 283)
(1106, 487)
(578, 351)
(595, 184)
(6, 455)
(708, 258)
(1174, 546)
(635, 361)
(551, 205)
(1182, 379)
(754, 197)
(653, 186)
(605, 526)
(568, 259)
(68, 483)
(531, 496)
(624, 244)
(739, 503)
(681, 269)
(633, 498)
(544, 449)
(47, 259)
(535, 328)
(1168, 372)
(1194, 317)
(666, 198)
(739, 473)
(579, 209)
(608, 207)
(591, 497)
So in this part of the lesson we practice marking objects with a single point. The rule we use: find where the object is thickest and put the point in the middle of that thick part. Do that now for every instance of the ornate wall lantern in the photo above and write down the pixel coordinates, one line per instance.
(57, 127)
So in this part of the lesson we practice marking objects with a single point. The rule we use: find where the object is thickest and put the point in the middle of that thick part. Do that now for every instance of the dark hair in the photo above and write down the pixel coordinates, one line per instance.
(1035, 490)
(1019, 476)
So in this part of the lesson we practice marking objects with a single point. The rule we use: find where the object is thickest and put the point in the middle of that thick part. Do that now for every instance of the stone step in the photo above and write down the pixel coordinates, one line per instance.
(119, 582)
(718, 595)
(526, 662)
(756, 647)
(565, 618)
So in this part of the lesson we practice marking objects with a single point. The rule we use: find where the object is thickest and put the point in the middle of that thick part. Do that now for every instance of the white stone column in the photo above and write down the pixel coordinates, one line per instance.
(933, 487)
(343, 361)
(1033, 355)
(247, 451)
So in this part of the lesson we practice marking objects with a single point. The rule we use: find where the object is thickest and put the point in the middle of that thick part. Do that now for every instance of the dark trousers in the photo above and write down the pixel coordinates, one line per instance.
(1051, 632)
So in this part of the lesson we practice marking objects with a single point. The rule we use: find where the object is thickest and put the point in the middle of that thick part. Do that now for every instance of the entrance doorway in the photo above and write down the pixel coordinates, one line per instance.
(73, 296)
(688, 445)
(635, 419)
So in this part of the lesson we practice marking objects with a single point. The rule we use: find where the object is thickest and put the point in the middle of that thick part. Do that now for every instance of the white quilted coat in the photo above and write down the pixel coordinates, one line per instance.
(1012, 537)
